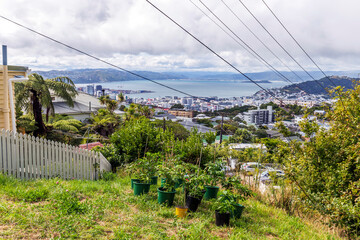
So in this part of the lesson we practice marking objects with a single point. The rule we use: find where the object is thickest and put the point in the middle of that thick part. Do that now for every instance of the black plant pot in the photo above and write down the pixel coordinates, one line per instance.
(222, 219)
(192, 203)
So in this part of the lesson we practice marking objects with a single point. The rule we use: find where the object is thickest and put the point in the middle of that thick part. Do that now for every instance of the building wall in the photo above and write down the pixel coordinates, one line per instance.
(182, 113)
(6, 73)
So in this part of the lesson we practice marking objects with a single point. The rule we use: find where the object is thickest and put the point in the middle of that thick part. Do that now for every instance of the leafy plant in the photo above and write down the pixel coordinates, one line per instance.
(215, 172)
(224, 203)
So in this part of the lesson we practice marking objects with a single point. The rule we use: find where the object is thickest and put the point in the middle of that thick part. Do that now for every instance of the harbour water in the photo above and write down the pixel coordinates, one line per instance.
(203, 88)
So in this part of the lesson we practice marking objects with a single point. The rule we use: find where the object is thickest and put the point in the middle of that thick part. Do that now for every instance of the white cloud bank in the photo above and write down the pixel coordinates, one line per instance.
(134, 35)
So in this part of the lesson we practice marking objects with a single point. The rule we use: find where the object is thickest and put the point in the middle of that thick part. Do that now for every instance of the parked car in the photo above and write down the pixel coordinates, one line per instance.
(250, 168)
(266, 177)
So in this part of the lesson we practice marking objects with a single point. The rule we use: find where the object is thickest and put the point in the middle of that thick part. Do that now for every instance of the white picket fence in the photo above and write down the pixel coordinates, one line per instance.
(27, 157)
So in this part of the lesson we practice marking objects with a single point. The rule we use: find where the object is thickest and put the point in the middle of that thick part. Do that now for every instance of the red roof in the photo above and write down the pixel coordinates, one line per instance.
(89, 146)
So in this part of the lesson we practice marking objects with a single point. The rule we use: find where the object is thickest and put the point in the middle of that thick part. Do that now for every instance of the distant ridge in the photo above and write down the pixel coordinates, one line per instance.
(311, 87)
(112, 75)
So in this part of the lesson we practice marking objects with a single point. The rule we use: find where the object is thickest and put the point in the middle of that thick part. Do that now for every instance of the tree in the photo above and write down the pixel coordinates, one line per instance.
(36, 93)
(326, 170)
(138, 137)
(177, 129)
(177, 106)
(111, 105)
(241, 136)
(104, 122)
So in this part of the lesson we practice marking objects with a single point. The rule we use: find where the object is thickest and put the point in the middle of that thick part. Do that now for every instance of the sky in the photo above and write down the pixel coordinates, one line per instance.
(135, 36)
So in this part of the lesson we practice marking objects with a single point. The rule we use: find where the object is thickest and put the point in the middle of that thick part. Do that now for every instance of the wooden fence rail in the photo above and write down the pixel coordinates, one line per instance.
(27, 157)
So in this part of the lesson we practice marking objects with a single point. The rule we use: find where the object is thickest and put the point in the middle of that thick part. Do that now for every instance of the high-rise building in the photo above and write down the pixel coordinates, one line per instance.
(90, 90)
(259, 116)
(98, 88)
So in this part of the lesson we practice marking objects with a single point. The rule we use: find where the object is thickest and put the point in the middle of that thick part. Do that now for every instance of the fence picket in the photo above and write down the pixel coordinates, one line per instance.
(27, 157)
(21, 156)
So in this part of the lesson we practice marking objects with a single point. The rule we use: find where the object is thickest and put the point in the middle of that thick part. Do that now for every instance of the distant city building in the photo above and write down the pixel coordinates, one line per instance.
(90, 90)
(98, 88)
(186, 114)
(259, 116)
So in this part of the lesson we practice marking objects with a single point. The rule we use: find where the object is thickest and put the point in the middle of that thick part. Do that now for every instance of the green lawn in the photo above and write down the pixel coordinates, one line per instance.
(108, 210)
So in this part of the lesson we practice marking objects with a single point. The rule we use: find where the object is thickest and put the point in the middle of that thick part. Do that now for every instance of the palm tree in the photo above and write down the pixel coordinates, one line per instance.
(36, 94)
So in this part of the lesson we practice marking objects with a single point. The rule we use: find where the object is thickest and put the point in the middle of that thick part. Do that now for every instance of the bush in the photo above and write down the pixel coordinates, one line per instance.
(138, 137)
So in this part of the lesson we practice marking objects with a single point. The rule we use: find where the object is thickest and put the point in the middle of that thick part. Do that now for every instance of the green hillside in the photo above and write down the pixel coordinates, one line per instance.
(56, 209)
(317, 87)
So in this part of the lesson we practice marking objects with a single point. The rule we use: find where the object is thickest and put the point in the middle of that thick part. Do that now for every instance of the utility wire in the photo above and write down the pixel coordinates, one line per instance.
(247, 45)
(96, 58)
(113, 65)
(211, 50)
(332, 82)
(298, 43)
(272, 36)
(261, 41)
(237, 41)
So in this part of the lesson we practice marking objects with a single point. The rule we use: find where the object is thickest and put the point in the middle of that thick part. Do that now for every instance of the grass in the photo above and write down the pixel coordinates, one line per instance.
(108, 210)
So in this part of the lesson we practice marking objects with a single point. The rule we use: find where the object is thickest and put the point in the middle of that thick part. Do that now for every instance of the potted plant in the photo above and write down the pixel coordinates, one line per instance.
(223, 207)
(239, 193)
(166, 193)
(194, 190)
(214, 174)
(141, 170)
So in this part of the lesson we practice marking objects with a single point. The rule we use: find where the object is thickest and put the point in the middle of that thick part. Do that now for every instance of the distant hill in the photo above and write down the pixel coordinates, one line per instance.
(106, 75)
(314, 87)
(112, 75)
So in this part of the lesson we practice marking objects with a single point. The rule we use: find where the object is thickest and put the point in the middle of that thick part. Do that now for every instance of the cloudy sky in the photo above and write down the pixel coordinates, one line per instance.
(133, 35)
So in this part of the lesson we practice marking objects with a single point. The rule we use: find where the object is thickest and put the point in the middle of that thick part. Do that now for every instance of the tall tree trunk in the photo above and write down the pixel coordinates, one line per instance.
(37, 111)
(47, 114)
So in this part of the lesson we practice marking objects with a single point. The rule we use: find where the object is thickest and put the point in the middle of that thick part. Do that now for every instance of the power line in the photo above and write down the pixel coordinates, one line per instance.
(113, 65)
(297, 43)
(211, 50)
(262, 25)
(96, 58)
(261, 41)
(247, 45)
(332, 82)
(237, 41)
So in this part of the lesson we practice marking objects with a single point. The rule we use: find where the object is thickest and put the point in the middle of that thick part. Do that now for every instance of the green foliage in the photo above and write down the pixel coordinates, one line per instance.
(36, 94)
(283, 129)
(227, 128)
(177, 129)
(109, 152)
(224, 203)
(214, 172)
(69, 125)
(31, 194)
(104, 122)
(177, 106)
(209, 137)
(327, 167)
(108, 176)
(138, 137)
(231, 112)
(113, 212)
(241, 135)
(193, 151)
(205, 122)
(67, 202)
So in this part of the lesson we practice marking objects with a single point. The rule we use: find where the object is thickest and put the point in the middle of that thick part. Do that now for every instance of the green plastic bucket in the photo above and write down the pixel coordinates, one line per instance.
(133, 181)
(166, 197)
(141, 188)
(238, 210)
(154, 180)
(211, 192)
